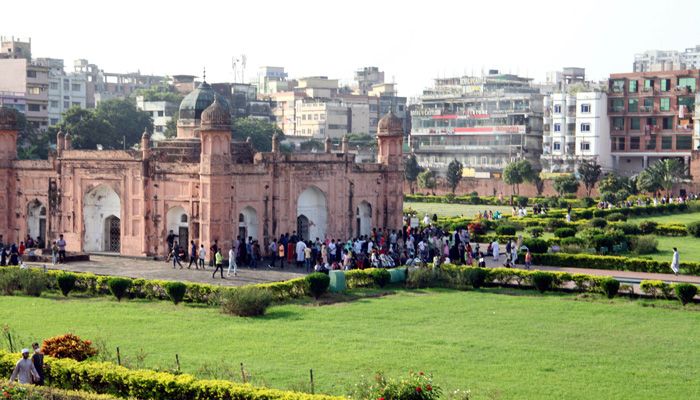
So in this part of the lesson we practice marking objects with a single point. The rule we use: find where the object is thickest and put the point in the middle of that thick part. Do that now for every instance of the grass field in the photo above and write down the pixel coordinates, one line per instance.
(453, 210)
(669, 219)
(501, 345)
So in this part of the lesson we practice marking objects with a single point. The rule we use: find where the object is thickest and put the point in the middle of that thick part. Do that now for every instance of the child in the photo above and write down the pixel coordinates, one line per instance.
(528, 259)
(482, 261)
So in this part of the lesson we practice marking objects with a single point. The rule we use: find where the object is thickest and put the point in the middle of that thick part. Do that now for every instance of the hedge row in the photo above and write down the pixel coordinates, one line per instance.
(108, 378)
(617, 263)
(48, 393)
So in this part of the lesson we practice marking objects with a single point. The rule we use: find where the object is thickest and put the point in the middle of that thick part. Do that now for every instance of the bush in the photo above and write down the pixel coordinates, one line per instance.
(476, 277)
(565, 232)
(176, 291)
(9, 280)
(655, 288)
(246, 301)
(68, 346)
(535, 231)
(32, 282)
(536, 245)
(610, 287)
(418, 386)
(521, 201)
(421, 278)
(598, 223)
(646, 244)
(318, 284)
(572, 241)
(600, 213)
(119, 286)
(616, 216)
(694, 228)
(542, 280)
(66, 282)
(685, 292)
(506, 230)
(584, 214)
(31, 392)
(671, 230)
(555, 223)
(628, 228)
(381, 277)
(648, 227)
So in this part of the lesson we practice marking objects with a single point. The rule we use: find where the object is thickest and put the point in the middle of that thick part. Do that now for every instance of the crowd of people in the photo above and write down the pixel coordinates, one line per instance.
(13, 254)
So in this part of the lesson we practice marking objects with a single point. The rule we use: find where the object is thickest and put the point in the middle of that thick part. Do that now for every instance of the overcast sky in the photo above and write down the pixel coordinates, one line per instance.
(412, 41)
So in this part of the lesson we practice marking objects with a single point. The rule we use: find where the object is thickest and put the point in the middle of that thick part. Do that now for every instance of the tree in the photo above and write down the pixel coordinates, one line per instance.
(171, 127)
(32, 143)
(538, 183)
(648, 182)
(565, 184)
(589, 173)
(666, 173)
(260, 132)
(412, 170)
(426, 179)
(616, 188)
(518, 172)
(162, 92)
(114, 124)
(454, 174)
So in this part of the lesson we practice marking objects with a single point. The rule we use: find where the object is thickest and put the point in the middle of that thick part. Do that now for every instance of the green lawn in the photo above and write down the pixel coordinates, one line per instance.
(454, 210)
(504, 345)
(668, 219)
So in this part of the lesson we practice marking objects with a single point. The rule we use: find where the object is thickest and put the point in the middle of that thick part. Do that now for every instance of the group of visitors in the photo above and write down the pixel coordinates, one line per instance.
(12, 254)
(29, 370)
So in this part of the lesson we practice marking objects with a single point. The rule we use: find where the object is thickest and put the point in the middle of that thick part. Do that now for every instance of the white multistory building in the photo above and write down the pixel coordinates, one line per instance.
(66, 90)
(667, 60)
(161, 113)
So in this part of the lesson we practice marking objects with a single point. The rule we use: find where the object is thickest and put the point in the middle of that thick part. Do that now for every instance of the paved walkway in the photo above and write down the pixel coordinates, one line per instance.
(150, 269)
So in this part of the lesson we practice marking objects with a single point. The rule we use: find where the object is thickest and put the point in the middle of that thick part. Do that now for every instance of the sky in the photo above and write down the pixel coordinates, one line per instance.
(413, 42)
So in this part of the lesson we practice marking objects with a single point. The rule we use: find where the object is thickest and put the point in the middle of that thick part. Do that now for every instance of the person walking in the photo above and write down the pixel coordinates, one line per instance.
(38, 361)
(193, 255)
(170, 239)
(232, 262)
(61, 249)
(675, 262)
(280, 254)
(175, 254)
(54, 253)
(308, 257)
(255, 255)
(495, 250)
(528, 259)
(202, 256)
(24, 370)
(300, 247)
(213, 250)
(218, 262)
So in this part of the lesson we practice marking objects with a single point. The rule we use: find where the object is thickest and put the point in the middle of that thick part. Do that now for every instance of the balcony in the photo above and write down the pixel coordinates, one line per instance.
(645, 109)
(683, 91)
(617, 110)
(648, 91)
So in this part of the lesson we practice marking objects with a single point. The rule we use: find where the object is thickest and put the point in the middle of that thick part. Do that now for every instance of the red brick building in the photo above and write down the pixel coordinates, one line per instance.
(651, 117)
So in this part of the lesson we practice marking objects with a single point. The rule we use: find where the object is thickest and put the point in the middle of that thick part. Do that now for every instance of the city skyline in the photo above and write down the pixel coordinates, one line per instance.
(413, 45)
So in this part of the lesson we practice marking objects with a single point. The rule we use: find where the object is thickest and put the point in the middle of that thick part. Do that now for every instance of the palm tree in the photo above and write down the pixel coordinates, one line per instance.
(666, 173)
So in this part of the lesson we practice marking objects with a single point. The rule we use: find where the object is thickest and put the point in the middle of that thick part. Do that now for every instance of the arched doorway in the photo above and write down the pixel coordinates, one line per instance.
(178, 222)
(303, 227)
(113, 234)
(364, 218)
(248, 223)
(99, 204)
(36, 221)
(312, 206)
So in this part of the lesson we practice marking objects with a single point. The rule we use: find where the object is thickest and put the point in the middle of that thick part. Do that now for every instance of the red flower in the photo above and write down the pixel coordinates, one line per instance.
(419, 389)
(381, 398)
(428, 388)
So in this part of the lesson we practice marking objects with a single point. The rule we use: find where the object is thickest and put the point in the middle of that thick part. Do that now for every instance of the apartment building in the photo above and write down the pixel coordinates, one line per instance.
(667, 60)
(66, 90)
(485, 122)
(651, 117)
(19, 75)
(161, 113)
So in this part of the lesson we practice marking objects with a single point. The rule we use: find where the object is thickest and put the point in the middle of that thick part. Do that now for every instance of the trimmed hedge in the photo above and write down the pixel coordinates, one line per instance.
(617, 263)
(108, 378)
(48, 393)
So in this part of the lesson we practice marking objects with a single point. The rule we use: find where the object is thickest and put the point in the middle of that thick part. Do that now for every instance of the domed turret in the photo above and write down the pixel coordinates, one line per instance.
(216, 116)
(8, 119)
(390, 124)
(192, 107)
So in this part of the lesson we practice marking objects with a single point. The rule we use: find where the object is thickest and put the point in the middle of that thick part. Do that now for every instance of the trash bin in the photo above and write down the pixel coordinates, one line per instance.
(337, 281)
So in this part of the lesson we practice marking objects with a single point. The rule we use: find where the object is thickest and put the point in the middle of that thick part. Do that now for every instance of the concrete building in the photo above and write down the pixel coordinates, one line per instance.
(243, 98)
(485, 122)
(667, 60)
(19, 75)
(66, 90)
(651, 117)
(272, 80)
(366, 78)
(161, 113)
(201, 185)
(15, 100)
(102, 86)
(11, 48)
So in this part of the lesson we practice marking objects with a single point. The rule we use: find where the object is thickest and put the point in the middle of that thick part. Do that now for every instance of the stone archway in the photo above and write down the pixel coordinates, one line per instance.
(248, 223)
(311, 204)
(36, 220)
(99, 204)
(177, 221)
(364, 218)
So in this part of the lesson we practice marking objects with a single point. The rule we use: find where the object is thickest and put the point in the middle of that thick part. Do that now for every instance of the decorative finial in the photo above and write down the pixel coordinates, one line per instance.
(205, 74)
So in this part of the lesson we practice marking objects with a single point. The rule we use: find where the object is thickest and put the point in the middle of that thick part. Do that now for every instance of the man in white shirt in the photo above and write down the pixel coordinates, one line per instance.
(232, 262)
(301, 246)
(24, 370)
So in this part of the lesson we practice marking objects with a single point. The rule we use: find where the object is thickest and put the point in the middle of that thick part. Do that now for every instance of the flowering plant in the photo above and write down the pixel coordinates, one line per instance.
(417, 386)
(11, 391)
(68, 346)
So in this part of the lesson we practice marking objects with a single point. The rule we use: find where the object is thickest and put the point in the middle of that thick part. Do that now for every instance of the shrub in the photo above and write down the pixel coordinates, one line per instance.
(671, 230)
(598, 223)
(648, 227)
(506, 230)
(176, 291)
(646, 244)
(599, 213)
(655, 288)
(554, 224)
(418, 386)
(572, 241)
(318, 284)
(685, 292)
(536, 245)
(521, 201)
(694, 228)
(421, 278)
(66, 282)
(381, 277)
(119, 286)
(610, 287)
(565, 232)
(476, 277)
(628, 228)
(32, 282)
(9, 280)
(616, 216)
(68, 346)
(535, 231)
(542, 280)
(246, 301)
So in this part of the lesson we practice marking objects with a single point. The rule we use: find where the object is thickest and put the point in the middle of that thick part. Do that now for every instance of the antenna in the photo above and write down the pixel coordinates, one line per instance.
(244, 61)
